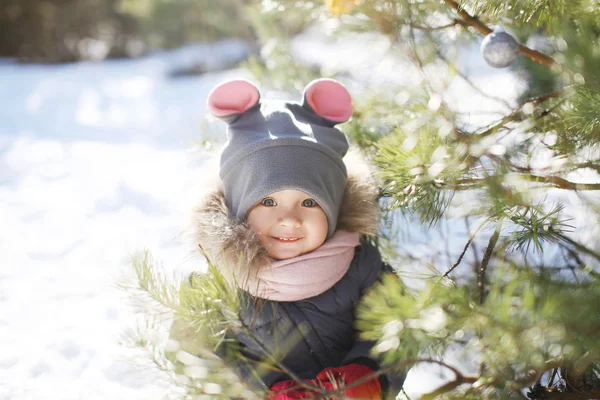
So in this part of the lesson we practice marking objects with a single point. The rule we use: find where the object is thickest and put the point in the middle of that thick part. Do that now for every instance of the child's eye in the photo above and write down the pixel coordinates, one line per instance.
(268, 202)
(309, 203)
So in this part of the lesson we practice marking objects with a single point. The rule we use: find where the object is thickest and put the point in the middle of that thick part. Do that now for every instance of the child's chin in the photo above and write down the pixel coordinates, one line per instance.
(283, 254)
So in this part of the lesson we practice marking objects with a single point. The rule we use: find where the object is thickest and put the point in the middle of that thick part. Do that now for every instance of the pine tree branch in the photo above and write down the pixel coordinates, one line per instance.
(573, 254)
(561, 183)
(591, 395)
(474, 250)
(437, 28)
(555, 181)
(486, 259)
(577, 388)
(469, 82)
(469, 20)
(517, 115)
(595, 165)
(584, 249)
(459, 379)
(153, 285)
(554, 372)
(485, 30)
(416, 57)
(542, 98)
(582, 364)
(462, 254)
(505, 161)
(534, 376)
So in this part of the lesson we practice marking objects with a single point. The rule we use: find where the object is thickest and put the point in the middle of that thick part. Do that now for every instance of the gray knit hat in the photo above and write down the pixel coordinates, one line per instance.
(278, 145)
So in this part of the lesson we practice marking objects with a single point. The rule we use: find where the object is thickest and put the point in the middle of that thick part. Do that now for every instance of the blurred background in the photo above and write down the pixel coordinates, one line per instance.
(77, 30)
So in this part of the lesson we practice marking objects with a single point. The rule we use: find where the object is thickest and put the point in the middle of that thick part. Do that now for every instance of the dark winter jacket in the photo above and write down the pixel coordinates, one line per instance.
(317, 332)
(309, 334)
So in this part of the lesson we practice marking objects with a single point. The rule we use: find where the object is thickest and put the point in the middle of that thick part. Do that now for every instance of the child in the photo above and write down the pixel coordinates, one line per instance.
(289, 219)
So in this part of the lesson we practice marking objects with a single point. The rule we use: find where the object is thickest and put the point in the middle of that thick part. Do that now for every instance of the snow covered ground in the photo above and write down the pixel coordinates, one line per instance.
(98, 161)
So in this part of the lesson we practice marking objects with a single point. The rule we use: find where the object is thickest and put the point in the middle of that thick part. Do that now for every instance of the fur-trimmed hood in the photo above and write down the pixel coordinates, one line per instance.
(228, 241)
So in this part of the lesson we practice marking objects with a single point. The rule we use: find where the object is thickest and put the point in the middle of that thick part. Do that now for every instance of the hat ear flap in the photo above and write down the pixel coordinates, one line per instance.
(328, 99)
(230, 99)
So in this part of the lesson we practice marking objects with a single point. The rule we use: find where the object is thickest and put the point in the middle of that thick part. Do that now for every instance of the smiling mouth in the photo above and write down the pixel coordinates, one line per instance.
(286, 239)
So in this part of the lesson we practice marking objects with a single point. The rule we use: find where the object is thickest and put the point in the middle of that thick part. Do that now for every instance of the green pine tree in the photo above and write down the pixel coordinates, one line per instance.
(515, 286)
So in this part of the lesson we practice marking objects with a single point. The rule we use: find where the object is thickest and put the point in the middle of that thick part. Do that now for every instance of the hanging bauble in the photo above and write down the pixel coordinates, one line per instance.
(499, 49)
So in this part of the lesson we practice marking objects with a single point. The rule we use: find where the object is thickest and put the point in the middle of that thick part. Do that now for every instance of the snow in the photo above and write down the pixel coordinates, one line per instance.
(99, 161)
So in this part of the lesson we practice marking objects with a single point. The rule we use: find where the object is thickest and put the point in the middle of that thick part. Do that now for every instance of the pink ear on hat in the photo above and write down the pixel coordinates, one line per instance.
(329, 99)
(233, 97)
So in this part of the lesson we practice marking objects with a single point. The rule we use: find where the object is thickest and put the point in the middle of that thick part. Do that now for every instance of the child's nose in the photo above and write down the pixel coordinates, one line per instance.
(290, 220)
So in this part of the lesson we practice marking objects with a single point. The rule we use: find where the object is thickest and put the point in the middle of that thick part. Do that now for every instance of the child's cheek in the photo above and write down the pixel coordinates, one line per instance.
(257, 221)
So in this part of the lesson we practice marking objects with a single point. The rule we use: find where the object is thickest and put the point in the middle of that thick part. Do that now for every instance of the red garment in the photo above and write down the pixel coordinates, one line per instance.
(331, 379)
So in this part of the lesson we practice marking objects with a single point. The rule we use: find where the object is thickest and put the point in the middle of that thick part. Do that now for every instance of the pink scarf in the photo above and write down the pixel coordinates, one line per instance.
(307, 275)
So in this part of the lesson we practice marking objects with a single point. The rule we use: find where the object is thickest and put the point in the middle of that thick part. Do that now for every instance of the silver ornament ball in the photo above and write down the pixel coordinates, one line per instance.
(499, 49)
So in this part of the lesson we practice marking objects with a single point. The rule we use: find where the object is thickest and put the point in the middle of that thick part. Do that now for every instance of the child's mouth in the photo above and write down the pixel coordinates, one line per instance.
(286, 239)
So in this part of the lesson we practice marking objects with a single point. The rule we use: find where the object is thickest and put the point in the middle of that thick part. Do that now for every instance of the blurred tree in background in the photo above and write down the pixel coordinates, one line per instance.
(172, 23)
(54, 31)
(66, 30)
(517, 299)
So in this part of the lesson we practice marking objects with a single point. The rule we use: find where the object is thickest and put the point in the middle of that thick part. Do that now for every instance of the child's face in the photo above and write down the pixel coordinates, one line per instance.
(288, 223)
